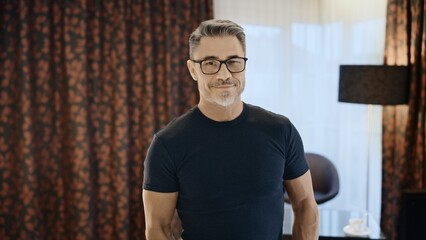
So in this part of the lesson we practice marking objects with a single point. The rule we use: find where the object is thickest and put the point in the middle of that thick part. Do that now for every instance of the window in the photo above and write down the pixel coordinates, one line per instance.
(295, 49)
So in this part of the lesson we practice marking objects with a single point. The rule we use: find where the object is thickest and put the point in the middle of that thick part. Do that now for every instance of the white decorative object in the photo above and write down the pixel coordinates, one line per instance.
(356, 228)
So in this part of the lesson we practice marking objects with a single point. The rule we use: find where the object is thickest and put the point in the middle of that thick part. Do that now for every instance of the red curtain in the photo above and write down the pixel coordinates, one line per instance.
(84, 85)
(404, 149)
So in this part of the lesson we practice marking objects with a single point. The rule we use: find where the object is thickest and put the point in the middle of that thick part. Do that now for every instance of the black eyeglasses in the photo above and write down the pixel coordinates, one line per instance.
(212, 66)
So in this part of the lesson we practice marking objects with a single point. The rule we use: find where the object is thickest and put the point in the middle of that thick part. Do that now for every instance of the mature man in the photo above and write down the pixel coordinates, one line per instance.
(222, 164)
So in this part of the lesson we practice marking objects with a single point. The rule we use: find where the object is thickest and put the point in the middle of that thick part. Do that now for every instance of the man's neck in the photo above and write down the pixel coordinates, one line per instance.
(220, 113)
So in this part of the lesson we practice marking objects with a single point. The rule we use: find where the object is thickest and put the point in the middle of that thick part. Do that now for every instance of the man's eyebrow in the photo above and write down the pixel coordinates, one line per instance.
(210, 57)
(216, 58)
(232, 56)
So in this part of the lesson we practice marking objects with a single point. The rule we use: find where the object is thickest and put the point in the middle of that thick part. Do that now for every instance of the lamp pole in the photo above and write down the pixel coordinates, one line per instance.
(369, 116)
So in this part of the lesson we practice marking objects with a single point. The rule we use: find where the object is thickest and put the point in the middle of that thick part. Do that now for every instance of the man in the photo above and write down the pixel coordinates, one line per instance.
(223, 163)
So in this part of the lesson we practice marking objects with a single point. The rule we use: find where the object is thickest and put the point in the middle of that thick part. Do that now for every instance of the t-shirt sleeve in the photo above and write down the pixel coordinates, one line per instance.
(159, 169)
(296, 164)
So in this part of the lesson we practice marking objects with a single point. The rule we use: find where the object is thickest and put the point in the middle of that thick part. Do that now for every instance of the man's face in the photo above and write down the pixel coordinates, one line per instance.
(222, 88)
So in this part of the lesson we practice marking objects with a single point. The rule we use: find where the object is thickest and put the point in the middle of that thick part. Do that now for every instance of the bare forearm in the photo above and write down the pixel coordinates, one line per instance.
(159, 209)
(159, 234)
(306, 222)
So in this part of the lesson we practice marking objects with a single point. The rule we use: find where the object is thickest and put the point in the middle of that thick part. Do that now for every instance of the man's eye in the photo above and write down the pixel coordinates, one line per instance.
(210, 63)
(233, 61)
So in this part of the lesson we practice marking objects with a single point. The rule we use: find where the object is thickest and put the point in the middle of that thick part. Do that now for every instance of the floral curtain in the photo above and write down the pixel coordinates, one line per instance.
(404, 164)
(84, 84)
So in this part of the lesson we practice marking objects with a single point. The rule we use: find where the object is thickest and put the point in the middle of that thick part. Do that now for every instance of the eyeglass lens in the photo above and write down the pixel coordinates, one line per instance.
(234, 65)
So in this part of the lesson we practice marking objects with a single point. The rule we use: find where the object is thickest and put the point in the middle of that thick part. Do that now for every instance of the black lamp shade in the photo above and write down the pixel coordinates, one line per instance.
(373, 84)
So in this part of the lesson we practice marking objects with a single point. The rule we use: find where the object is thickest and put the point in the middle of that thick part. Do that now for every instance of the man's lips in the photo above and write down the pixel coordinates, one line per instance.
(224, 86)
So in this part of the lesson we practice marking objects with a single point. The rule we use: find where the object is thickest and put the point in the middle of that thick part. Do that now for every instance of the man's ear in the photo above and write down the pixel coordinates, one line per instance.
(191, 68)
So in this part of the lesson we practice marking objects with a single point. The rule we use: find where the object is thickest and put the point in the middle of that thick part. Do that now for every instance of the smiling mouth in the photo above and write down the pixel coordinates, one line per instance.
(225, 86)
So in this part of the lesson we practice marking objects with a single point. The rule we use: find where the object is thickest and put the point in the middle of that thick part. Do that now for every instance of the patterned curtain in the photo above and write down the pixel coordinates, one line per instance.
(84, 84)
(404, 165)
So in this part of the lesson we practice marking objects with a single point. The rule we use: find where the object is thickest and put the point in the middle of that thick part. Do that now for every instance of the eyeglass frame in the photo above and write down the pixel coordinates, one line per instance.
(220, 66)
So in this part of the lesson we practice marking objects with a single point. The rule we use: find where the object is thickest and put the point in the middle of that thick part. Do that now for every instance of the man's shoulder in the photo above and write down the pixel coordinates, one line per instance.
(178, 125)
(260, 114)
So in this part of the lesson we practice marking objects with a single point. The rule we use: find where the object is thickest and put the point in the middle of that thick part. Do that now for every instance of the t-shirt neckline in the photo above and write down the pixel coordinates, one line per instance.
(230, 123)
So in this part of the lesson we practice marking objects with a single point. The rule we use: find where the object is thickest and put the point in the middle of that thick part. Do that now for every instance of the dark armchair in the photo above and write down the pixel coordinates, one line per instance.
(325, 179)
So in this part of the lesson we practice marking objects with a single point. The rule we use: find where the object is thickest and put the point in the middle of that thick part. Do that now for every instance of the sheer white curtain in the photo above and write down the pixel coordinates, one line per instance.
(294, 50)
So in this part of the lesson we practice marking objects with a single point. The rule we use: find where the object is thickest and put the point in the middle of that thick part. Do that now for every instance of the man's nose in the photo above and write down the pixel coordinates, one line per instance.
(223, 72)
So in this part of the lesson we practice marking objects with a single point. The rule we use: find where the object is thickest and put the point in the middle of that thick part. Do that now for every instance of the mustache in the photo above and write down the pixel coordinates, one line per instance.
(222, 82)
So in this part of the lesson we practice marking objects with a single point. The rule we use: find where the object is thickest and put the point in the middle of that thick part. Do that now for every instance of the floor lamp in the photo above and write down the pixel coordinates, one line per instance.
(373, 85)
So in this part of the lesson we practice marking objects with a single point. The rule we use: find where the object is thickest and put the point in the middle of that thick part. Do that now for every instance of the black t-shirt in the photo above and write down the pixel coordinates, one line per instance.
(229, 175)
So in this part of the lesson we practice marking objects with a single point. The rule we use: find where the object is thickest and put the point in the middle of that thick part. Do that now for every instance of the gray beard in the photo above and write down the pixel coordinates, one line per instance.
(225, 100)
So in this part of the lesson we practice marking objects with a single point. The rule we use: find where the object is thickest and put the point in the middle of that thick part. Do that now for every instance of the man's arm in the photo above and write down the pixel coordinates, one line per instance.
(159, 209)
(305, 209)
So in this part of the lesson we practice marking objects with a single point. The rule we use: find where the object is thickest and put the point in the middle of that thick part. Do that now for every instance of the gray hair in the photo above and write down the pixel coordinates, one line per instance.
(216, 28)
